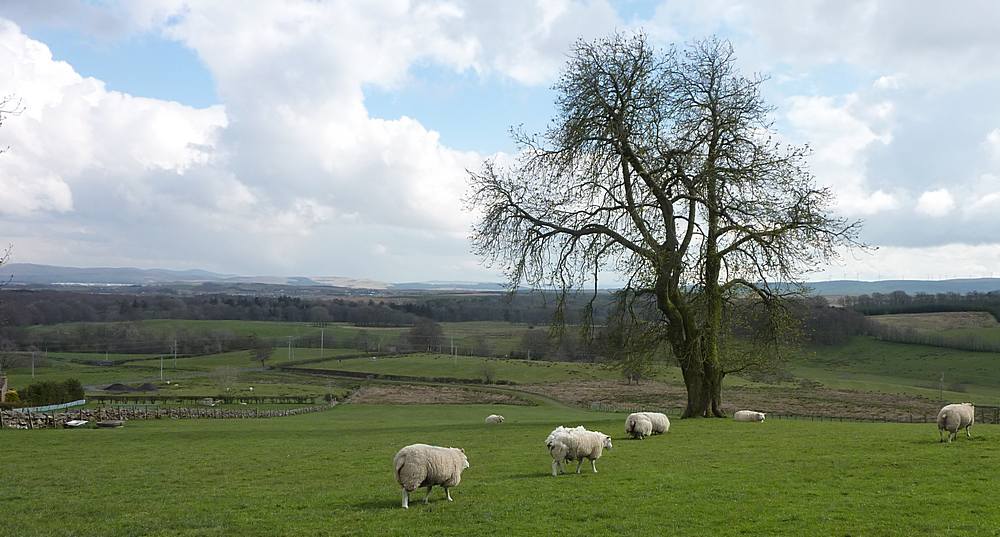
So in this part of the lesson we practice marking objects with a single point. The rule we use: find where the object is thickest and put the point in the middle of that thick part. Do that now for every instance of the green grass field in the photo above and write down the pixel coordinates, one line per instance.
(330, 474)
(466, 367)
(955, 327)
(917, 366)
(500, 336)
(946, 320)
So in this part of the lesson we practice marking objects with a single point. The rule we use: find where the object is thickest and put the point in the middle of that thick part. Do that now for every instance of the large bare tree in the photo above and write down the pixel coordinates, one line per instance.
(661, 166)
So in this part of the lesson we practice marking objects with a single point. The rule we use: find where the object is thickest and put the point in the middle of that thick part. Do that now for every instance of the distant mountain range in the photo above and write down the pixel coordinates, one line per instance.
(29, 274)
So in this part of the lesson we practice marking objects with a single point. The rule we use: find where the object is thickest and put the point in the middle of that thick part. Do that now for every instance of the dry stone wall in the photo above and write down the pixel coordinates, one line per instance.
(18, 420)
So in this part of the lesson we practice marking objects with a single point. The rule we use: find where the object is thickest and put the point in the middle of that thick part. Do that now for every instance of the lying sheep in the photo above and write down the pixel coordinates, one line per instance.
(421, 465)
(494, 418)
(748, 415)
(637, 425)
(576, 445)
(660, 422)
(951, 418)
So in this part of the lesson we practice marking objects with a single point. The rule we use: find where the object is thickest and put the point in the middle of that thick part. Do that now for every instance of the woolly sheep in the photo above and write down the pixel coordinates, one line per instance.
(494, 418)
(638, 426)
(951, 418)
(660, 422)
(576, 445)
(421, 465)
(748, 415)
(557, 431)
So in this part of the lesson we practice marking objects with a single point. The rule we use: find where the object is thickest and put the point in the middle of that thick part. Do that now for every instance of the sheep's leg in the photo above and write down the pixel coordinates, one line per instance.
(406, 499)
(593, 463)
(940, 435)
(428, 497)
(555, 468)
(967, 433)
(448, 494)
(578, 464)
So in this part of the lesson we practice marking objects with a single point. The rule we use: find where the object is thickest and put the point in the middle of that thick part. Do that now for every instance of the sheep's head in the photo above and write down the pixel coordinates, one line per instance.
(762, 416)
(465, 458)
(501, 419)
(607, 442)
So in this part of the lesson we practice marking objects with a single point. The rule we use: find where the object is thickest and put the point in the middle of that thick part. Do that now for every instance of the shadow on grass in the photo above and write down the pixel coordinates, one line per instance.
(530, 475)
(382, 504)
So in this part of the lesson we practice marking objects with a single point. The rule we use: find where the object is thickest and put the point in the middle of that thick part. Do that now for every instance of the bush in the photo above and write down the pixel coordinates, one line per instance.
(52, 393)
(488, 372)
(13, 397)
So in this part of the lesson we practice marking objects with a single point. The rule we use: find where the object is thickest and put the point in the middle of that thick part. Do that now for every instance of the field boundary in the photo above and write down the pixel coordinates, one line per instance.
(28, 420)
(363, 375)
(46, 408)
(985, 415)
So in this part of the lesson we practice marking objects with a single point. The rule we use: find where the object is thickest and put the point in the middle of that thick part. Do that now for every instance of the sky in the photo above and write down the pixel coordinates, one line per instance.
(317, 138)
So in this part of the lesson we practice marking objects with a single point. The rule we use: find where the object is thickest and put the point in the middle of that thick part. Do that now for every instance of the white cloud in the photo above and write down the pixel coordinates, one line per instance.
(951, 260)
(936, 203)
(839, 131)
(888, 82)
(931, 43)
(73, 134)
(993, 144)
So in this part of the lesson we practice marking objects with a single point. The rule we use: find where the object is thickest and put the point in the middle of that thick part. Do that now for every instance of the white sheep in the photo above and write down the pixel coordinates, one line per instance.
(576, 445)
(421, 465)
(494, 418)
(557, 431)
(660, 421)
(637, 425)
(951, 418)
(748, 415)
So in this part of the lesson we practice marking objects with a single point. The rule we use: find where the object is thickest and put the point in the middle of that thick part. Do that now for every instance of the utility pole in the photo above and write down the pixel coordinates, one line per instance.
(321, 330)
(289, 348)
(161, 368)
(175, 353)
(32, 364)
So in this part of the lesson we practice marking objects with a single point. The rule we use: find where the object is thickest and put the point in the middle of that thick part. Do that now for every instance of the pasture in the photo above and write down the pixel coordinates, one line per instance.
(945, 320)
(471, 368)
(865, 363)
(330, 473)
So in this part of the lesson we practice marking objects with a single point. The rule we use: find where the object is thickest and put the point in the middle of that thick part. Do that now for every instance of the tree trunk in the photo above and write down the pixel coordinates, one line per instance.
(703, 381)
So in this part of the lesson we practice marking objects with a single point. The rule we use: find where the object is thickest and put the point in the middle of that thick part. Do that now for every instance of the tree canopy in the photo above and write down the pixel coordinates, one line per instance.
(662, 167)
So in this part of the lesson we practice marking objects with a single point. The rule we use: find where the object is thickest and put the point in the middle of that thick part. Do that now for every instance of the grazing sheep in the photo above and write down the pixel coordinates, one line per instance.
(748, 415)
(494, 418)
(421, 465)
(660, 422)
(951, 418)
(576, 445)
(637, 425)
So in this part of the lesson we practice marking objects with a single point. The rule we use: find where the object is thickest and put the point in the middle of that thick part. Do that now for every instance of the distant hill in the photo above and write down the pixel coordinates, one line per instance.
(448, 286)
(854, 288)
(30, 274)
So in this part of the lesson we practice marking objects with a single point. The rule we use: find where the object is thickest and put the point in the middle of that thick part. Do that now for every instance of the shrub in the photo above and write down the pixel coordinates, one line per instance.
(52, 392)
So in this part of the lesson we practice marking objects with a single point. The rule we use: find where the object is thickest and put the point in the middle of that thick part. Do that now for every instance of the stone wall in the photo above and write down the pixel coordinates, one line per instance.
(48, 420)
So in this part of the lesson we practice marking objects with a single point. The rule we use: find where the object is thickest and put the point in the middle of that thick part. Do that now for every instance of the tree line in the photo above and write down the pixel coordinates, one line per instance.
(901, 302)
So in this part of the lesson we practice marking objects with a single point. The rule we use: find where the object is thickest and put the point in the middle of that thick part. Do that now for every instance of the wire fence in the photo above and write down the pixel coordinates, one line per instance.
(984, 414)
(47, 408)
